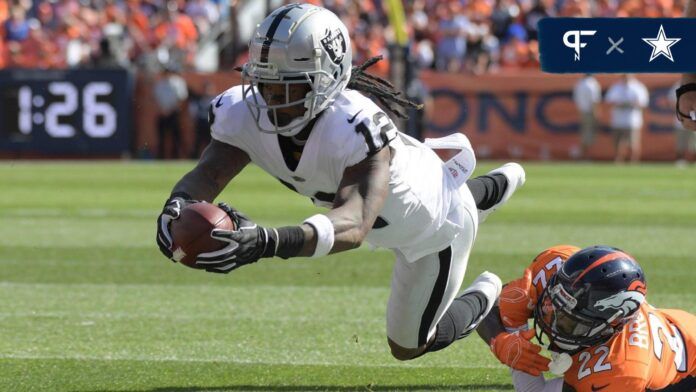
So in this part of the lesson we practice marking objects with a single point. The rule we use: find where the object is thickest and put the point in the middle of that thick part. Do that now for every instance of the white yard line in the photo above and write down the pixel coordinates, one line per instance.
(227, 360)
(201, 287)
(90, 316)
(78, 213)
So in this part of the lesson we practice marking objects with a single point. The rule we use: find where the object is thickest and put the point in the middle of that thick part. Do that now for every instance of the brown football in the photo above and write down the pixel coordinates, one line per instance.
(191, 232)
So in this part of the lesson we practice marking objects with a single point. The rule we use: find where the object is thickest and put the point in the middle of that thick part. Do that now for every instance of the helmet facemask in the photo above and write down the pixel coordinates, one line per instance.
(313, 102)
(596, 292)
(567, 327)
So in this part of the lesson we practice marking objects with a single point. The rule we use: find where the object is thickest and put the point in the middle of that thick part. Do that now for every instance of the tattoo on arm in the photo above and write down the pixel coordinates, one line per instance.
(359, 199)
(219, 163)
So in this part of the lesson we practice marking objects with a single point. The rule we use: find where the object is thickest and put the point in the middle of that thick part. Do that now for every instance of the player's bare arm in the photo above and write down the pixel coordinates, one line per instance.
(219, 163)
(360, 197)
(358, 201)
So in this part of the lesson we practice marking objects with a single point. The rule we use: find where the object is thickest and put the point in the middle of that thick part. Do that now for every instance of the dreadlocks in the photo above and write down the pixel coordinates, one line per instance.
(381, 89)
(375, 86)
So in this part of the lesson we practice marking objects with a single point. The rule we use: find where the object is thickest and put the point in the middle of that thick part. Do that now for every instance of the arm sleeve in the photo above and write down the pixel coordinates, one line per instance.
(524, 382)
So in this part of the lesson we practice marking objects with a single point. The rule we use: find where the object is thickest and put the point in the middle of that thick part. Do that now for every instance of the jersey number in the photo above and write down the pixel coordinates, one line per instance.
(376, 142)
(541, 276)
(674, 341)
(599, 366)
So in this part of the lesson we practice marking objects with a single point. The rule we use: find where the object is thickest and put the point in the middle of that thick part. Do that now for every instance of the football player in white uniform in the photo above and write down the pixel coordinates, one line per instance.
(300, 115)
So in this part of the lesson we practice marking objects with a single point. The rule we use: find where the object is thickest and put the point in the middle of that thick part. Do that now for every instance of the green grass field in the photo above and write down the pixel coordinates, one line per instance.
(87, 303)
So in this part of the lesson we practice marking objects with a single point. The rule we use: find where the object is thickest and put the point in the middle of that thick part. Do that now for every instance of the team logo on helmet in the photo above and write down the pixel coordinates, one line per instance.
(335, 45)
(626, 301)
(638, 286)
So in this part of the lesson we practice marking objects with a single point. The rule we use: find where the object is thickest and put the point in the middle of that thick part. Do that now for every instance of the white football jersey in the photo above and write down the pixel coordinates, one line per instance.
(418, 216)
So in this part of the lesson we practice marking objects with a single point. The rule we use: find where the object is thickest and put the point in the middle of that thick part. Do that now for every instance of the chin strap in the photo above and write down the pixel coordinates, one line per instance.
(681, 91)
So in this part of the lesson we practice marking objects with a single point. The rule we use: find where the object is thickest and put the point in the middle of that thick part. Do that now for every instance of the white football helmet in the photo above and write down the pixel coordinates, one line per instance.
(297, 44)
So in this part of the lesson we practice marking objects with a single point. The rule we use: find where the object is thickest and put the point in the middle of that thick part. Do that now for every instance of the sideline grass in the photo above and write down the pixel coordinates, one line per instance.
(88, 304)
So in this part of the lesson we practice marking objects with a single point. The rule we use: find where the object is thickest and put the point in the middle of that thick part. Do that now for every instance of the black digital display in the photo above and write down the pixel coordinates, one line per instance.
(65, 112)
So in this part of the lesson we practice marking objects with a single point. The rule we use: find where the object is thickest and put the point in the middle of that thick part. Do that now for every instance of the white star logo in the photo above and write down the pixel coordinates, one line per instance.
(661, 45)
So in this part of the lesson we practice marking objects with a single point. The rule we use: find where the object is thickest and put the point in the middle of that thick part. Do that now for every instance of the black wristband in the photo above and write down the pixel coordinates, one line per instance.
(290, 241)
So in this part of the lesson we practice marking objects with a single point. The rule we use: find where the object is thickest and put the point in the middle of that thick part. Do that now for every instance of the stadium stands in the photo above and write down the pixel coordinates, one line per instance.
(474, 36)
(473, 51)
(79, 33)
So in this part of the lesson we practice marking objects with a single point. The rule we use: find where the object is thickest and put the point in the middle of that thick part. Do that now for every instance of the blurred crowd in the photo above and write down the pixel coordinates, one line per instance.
(103, 33)
(478, 36)
(167, 37)
(473, 36)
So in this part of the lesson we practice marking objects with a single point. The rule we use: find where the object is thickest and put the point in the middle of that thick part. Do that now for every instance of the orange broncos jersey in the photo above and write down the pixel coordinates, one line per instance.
(657, 349)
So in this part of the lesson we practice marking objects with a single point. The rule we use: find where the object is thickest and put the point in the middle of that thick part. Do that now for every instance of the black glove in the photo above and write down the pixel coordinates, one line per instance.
(246, 245)
(171, 211)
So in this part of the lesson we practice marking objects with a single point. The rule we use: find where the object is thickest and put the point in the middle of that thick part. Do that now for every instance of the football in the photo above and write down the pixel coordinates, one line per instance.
(191, 232)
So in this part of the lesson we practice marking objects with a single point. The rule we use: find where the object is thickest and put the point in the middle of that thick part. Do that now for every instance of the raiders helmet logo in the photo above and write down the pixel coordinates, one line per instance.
(335, 45)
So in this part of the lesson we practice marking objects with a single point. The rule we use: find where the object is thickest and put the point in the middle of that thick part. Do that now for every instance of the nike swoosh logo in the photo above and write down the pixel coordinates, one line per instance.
(594, 388)
(219, 102)
(350, 120)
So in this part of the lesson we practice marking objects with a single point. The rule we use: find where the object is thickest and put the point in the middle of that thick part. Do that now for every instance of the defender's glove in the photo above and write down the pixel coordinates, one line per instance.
(517, 301)
(171, 211)
(516, 351)
(246, 245)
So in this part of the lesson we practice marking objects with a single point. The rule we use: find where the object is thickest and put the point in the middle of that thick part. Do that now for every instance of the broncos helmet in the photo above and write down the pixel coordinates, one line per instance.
(594, 294)
(297, 44)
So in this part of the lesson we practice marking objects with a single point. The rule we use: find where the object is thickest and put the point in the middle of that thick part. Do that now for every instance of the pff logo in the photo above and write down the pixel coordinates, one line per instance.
(573, 40)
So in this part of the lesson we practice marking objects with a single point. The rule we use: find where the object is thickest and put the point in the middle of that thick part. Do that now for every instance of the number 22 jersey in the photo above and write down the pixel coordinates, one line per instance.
(654, 351)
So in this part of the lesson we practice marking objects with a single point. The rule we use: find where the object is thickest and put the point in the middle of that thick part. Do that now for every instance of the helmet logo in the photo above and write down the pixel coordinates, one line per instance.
(335, 45)
(638, 286)
(625, 301)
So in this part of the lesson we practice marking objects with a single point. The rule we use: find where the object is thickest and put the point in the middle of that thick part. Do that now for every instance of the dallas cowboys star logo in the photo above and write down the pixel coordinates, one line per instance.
(661, 45)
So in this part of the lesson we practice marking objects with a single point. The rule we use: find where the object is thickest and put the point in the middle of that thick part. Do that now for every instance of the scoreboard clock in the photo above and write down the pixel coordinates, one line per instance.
(65, 112)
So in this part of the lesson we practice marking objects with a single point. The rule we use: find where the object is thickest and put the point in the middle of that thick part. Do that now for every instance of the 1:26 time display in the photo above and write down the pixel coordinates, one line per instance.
(98, 117)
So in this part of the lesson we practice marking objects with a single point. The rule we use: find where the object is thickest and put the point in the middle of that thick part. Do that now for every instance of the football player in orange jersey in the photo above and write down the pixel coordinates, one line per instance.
(589, 305)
